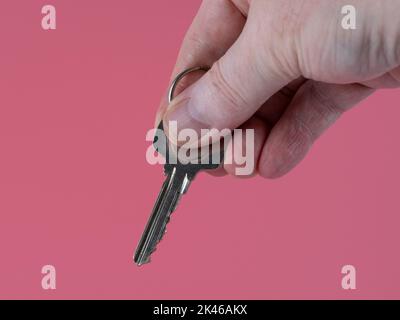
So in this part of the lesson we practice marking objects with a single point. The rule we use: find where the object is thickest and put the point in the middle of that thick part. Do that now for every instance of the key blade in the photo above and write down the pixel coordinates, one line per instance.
(174, 186)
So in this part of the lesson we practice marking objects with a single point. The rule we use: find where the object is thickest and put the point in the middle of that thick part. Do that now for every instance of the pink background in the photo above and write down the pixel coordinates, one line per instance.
(76, 190)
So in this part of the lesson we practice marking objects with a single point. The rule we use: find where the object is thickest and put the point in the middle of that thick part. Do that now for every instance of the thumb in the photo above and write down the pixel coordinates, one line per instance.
(236, 86)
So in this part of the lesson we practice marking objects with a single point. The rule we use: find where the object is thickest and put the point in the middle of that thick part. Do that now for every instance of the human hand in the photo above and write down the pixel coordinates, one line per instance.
(285, 68)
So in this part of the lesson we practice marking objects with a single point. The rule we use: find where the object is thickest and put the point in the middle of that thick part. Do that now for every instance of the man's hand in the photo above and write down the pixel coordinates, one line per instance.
(285, 68)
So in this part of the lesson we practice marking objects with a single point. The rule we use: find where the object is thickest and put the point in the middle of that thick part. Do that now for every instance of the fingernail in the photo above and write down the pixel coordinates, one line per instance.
(180, 112)
(158, 119)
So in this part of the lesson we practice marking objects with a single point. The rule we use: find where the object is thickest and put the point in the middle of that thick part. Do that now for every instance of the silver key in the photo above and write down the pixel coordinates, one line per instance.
(178, 179)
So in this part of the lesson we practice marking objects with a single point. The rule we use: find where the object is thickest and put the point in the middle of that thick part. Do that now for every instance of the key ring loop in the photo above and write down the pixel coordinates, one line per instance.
(180, 76)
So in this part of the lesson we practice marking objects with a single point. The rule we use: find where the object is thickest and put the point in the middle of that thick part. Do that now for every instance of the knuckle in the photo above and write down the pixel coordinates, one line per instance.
(325, 105)
(300, 137)
(233, 101)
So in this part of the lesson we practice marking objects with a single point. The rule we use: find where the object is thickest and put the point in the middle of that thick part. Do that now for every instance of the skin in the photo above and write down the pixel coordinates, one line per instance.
(285, 68)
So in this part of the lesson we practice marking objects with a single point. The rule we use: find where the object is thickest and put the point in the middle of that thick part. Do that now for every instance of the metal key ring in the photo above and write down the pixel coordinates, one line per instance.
(180, 76)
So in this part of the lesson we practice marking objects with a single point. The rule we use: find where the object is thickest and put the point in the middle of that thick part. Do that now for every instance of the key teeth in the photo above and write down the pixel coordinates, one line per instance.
(141, 262)
(173, 188)
(154, 249)
(162, 234)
